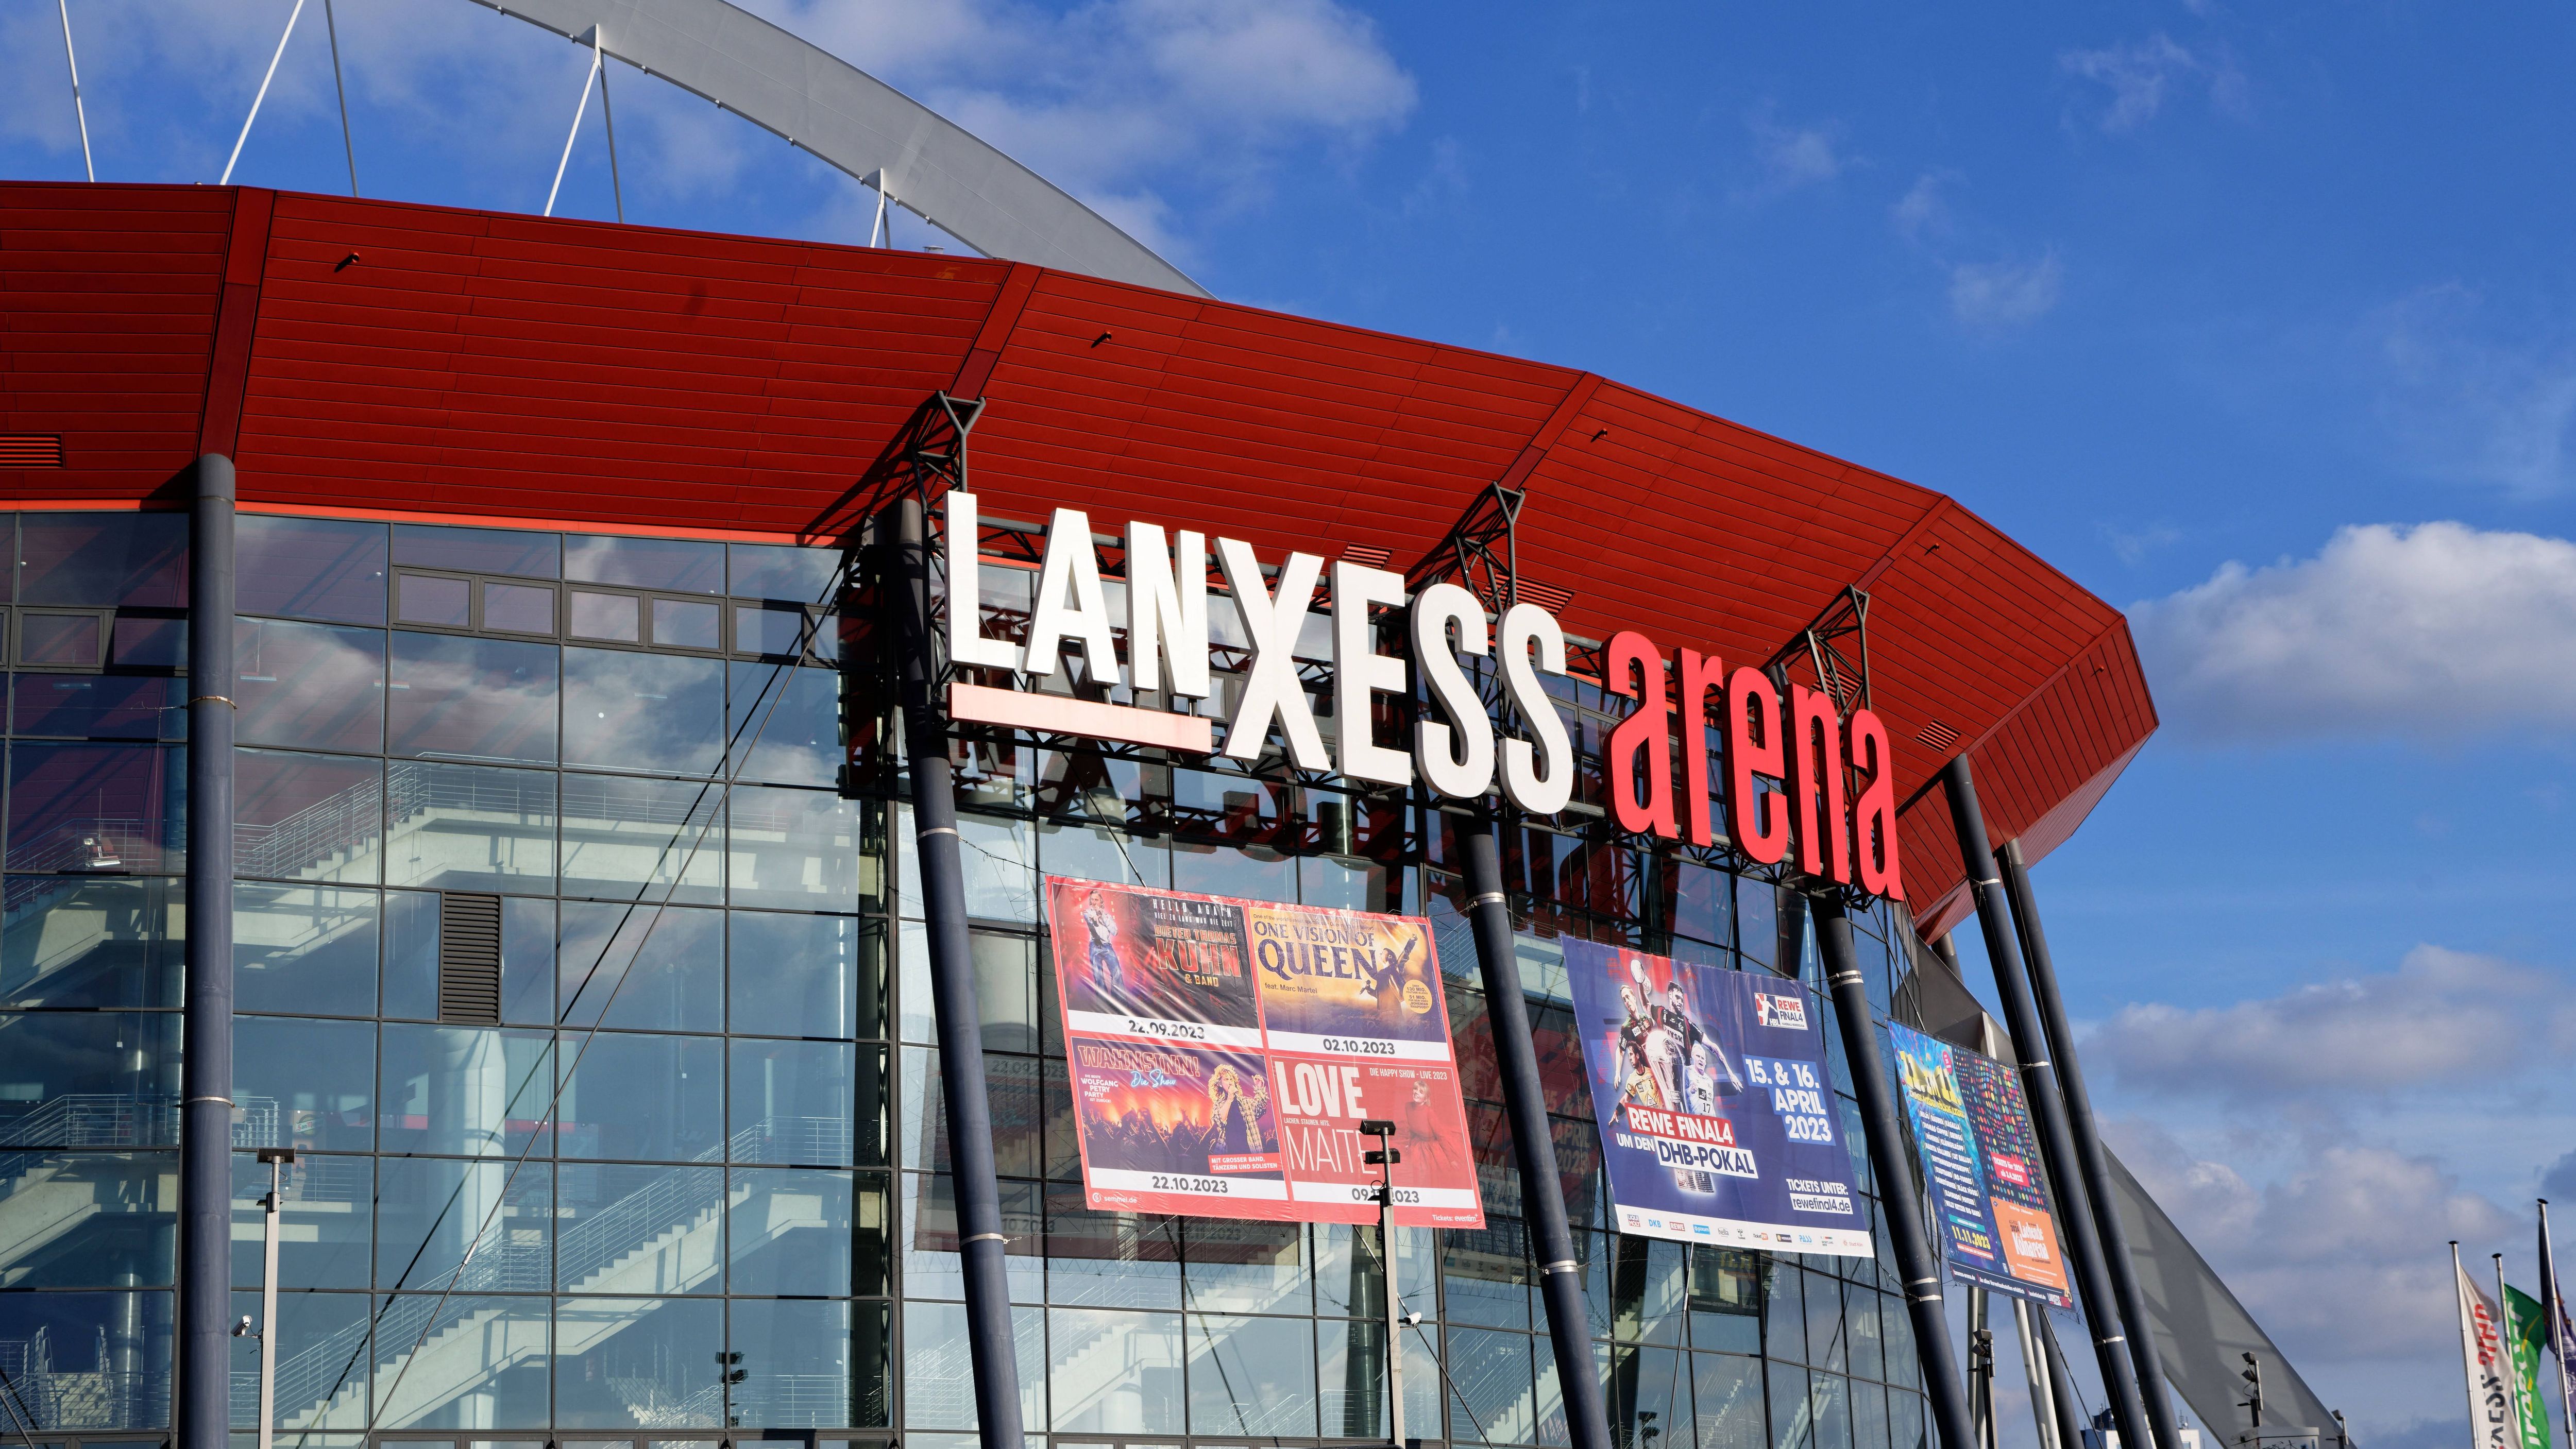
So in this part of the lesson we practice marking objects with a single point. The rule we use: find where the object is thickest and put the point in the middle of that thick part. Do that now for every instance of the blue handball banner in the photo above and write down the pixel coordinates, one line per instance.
(1718, 1121)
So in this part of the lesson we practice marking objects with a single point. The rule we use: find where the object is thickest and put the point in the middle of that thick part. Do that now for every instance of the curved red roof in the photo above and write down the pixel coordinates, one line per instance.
(389, 358)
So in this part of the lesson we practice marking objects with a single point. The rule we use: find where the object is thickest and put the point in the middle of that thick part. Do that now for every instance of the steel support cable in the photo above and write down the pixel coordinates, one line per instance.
(778, 672)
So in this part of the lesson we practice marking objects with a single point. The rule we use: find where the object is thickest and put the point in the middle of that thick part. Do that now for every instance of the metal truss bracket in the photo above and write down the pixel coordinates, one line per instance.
(1479, 552)
(1835, 651)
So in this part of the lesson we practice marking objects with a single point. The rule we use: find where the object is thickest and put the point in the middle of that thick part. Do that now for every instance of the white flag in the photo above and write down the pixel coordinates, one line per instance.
(2493, 1423)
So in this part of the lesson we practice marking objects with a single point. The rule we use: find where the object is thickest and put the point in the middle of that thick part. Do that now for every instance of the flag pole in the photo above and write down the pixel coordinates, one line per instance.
(2554, 1310)
(2468, 1329)
(2512, 1367)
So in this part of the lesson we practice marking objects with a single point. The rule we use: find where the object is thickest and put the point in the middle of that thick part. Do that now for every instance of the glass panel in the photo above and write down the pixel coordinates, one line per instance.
(496, 1378)
(463, 1091)
(639, 1363)
(469, 827)
(527, 553)
(774, 571)
(795, 975)
(308, 817)
(149, 643)
(780, 631)
(684, 624)
(310, 685)
(650, 840)
(646, 968)
(1757, 920)
(1251, 1376)
(1784, 1324)
(930, 1267)
(304, 949)
(108, 1355)
(318, 1336)
(432, 1209)
(1001, 869)
(1090, 852)
(433, 599)
(784, 724)
(89, 1220)
(1485, 1274)
(645, 712)
(527, 962)
(1728, 1396)
(327, 1207)
(1825, 1346)
(471, 699)
(1649, 1398)
(1726, 1300)
(1246, 1267)
(792, 1101)
(89, 1079)
(411, 957)
(304, 1084)
(1646, 1290)
(103, 558)
(1905, 1427)
(1114, 1373)
(1114, 1260)
(681, 565)
(615, 617)
(1831, 1396)
(789, 1229)
(75, 942)
(1860, 1324)
(1492, 1388)
(655, 1098)
(101, 706)
(794, 849)
(76, 640)
(310, 568)
(639, 1229)
(518, 608)
(1904, 1366)
(1868, 1416)
(793, 1360)
(1253, 873)
(1793, 1414)
(116, 808)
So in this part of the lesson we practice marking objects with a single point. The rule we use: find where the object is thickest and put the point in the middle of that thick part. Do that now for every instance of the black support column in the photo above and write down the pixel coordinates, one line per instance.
(980, 1241)
(204, 1390)
(2152, 1392)
(2047, 1108)
(1888, 1164)
(1534, 1145)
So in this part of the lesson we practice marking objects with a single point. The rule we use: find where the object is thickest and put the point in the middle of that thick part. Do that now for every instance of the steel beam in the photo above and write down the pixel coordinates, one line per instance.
(204, 1406)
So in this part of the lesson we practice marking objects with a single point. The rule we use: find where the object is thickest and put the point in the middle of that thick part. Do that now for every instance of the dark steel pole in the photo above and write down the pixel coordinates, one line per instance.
(2088, 1148)
(2061, 1388)
(980, 1241)
(1888, 1163)
(2047, 1108)
(206, 1065)
(1560, 1273)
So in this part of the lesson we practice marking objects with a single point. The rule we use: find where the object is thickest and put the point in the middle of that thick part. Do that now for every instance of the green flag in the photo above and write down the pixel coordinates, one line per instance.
(2530, 1334)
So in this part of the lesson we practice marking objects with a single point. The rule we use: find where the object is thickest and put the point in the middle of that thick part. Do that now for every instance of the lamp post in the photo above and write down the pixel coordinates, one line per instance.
(1384, 1158)
(266, 1333)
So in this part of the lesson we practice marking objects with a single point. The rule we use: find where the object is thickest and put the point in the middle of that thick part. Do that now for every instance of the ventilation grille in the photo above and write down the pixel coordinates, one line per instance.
(1365, 557)
(1546, 596)
(469, 959)
(1936, 736)
(30, 450)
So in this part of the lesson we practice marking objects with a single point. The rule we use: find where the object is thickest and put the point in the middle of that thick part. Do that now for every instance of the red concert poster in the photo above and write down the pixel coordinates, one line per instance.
(1224, 1053)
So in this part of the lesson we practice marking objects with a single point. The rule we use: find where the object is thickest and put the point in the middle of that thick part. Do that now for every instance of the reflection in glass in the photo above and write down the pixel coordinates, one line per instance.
(685, 624)
(1868, 1416)
(148, 643)
(113, 1346)
(634, 1229)
(326, 1220)
(304, 1084)
(794, 849)
(792, 1102)
(70, 941)
(789, 1229)
(304, 949)
(795, 975)
(1485, 1271)
(99, 1220)
(639, 1363)
(1251, 1375)
(1110, 1260)
(1649, 1398)
(648, 712)
(308, 817)
(518, 608)
(618, 618)
(464, 1091)
(680, 565)
(1114, 1373)
(1001, 869)
(469, 827)
(471, 699)
(775, 571)
(795, 1364)
(938, 1375)
(77, 641)
(431, 1210)
(782, 631)
(645, 968)
(317, 1336)
(1726, 1300)
(101, 706)
(1794, 1417)
(310, 685)
(930, 1266)
(1245, 1267)
(784, 724)
(116, 808)
(433, 599)
(651, 840)
(1727, 1392)
(654, 1098)
(89, 1079)
(310, 568)
(103, 558)
(494, 1376)
(524, 552)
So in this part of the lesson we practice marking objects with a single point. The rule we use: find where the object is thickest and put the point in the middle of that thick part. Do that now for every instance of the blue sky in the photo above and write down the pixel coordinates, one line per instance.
(2257, 318)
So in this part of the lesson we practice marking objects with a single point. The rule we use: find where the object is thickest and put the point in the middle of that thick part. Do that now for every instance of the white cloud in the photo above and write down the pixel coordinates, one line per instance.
(2435, 630)
(2139, 74)
(1998, 295)
(2442, 1017)
(2132, 545)
(1923, 211)
(1795, 156)
(2476, 400)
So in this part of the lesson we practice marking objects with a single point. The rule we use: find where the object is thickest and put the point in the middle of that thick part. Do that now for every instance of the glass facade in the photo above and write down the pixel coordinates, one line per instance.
(580, 962)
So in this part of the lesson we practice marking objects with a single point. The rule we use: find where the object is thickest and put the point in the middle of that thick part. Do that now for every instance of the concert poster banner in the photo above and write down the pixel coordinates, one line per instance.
(1981, 1161)
(1223, 1054)
(1718, 1120)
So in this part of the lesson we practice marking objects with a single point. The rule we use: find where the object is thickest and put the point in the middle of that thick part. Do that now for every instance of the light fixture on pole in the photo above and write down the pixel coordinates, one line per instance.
(276, 1158)
(1384, 1158)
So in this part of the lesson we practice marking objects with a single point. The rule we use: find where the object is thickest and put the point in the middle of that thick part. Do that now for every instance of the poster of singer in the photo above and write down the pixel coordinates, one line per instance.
(1718, 1121)
(1224, 1053)
(1981, 1161)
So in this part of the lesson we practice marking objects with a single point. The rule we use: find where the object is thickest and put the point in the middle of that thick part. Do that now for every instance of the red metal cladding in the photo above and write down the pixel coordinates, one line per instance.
(382, 358)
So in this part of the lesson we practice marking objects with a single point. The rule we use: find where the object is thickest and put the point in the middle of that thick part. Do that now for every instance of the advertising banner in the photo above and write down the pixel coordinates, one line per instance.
(2495, 1421)
(2530, 1332)
(1718, 1120)
(1981, 1161)
(1223, 1054)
